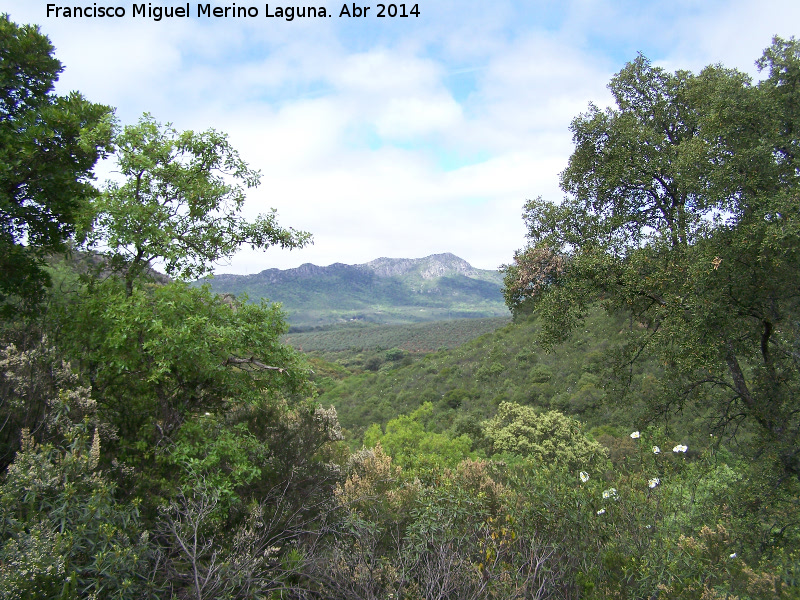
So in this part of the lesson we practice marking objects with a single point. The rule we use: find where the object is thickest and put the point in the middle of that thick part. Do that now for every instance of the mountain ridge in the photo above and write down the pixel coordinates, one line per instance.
(384, 290)
(435, 265)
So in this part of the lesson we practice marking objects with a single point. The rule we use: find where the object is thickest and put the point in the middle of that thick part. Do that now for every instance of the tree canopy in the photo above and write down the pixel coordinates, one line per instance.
(180, 203)
(49, 145)
(682, 210)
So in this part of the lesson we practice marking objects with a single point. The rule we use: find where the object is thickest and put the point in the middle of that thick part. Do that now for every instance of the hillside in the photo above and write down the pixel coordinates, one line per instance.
(385, 290)
(467, 383)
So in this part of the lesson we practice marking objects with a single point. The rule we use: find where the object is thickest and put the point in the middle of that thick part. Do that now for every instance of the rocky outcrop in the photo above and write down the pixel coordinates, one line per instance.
(430, 267)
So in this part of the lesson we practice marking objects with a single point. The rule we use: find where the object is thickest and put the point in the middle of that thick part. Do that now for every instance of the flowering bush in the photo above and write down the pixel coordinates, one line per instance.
(549, 437)
(61, 526)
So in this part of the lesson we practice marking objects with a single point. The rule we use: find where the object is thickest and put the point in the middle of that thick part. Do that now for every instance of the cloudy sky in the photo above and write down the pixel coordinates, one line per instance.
(398, 137)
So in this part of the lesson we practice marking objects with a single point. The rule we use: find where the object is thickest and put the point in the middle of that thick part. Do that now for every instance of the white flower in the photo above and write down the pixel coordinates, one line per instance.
(733, 555)
(94, 452)
(602, 511)
(208, 414)
(656, 450)
(584, 476)
(680, 448)
(653, 482)
(610, 493)
(635, 435)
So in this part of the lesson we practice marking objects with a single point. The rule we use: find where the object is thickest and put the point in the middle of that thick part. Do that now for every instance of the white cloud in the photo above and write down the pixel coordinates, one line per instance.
(398, 137)
(411, 117)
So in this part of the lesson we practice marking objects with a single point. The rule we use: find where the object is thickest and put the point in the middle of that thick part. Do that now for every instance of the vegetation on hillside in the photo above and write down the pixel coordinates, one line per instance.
(682, 211)
(467, 384)
(162, 441)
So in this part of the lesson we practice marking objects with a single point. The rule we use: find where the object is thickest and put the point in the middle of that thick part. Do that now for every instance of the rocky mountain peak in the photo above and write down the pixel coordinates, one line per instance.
(430, 267)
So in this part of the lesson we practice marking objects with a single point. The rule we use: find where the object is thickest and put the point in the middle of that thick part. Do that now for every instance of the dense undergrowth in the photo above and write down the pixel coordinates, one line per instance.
(465, 385)
(266, 498)
(160, 441)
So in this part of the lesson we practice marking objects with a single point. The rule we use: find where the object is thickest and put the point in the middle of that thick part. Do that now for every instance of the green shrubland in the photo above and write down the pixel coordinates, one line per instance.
(632, 434)
(467, 384)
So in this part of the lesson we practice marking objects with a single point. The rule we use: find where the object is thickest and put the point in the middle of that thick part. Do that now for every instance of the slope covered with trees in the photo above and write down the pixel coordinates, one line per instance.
(465, 385)
(160, 441)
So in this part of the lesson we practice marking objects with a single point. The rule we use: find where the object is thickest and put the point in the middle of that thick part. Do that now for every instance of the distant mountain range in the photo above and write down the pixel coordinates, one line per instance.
(385, 290)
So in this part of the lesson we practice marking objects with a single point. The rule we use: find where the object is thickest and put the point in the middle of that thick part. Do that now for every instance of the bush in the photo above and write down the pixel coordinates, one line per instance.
(548, 438)
(64, 534)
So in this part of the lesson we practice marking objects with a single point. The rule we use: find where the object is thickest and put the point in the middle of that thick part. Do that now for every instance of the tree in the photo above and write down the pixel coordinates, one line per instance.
(180, 204)
(48, 147)
(168, 351)
(253, 498)
(155, 354)
(682, 211)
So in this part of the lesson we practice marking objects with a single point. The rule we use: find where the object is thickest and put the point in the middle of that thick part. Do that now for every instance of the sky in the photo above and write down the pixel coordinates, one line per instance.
(393, 137)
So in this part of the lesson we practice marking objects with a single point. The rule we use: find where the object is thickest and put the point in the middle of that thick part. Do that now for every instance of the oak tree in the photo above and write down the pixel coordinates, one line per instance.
(49, 145)
(682, 210)
(180, 204)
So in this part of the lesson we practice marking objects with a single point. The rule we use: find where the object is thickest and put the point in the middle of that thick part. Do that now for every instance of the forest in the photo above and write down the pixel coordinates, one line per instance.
(633, 433)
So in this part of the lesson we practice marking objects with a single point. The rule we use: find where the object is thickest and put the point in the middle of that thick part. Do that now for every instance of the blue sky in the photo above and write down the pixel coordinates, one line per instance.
(395, 137)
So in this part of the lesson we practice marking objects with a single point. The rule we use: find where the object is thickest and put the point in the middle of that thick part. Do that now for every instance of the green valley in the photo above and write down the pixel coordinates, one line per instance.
(467, 383)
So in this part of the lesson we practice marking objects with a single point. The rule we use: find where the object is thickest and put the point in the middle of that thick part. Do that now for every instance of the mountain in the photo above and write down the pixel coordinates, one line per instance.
(385, 290)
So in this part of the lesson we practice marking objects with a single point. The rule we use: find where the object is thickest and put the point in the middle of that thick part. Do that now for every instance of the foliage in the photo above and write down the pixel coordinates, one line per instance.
(549, 438)
(244, 452)
(48, 147)
(412, 445)
(451, 538)
(180, 203)
(210, 453)
(163, 352)
(466, 384)
(251, 484)
(683, 212)
(64, 533)
(29, 379)
(257, 558)
(486, 530)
